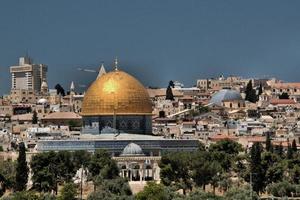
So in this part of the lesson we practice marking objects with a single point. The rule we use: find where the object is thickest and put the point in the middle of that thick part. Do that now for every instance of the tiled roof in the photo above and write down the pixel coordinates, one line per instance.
(62, 115)
(282, 101)
(285, 85)
(22, 117)
(222, 137)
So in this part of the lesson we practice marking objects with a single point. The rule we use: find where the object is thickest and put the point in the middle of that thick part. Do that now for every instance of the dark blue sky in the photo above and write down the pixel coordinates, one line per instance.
(155, 40)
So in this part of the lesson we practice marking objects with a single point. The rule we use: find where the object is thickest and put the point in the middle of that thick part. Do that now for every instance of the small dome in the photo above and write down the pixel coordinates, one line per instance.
(132, 149)
(42, 101)
(225, 95)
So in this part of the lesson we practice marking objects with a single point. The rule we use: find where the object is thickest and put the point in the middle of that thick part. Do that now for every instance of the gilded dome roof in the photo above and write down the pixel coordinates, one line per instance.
(116, 92)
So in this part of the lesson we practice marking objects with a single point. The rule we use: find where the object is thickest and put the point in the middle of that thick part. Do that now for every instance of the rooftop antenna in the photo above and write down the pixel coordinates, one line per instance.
(27, 57)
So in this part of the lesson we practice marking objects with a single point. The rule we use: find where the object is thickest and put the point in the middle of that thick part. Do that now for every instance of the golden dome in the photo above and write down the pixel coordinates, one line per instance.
(116, 92)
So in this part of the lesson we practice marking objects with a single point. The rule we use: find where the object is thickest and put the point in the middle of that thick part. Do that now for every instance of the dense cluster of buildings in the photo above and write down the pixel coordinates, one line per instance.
(137, 124)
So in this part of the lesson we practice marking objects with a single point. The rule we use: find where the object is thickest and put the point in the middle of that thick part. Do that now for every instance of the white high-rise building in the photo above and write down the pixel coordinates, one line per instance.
(28, 76)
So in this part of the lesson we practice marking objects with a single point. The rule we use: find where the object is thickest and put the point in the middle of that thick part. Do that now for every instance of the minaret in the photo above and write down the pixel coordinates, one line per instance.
(102, 70)
(44, 87)
(72, 93)
(72, 88)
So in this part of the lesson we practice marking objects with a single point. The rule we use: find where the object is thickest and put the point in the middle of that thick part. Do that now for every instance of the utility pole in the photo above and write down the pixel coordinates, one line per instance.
(81, 182)
(251, 187)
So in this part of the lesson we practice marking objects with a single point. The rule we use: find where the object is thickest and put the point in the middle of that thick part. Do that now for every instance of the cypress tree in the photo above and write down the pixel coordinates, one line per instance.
(289, 153)
(256, 168)
(284, 95)
(21, 169)
(250, 93)
(269, 146)
(169, 94)
(294, 146)
(34, 117)
(260, 90)
(279, 149)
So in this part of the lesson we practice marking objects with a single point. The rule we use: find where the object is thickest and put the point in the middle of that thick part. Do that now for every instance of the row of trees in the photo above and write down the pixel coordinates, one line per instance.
(225, 164)
(51, 169)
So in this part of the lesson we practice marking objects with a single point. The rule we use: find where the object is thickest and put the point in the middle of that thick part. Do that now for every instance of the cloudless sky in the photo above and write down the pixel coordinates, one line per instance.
(155, 40)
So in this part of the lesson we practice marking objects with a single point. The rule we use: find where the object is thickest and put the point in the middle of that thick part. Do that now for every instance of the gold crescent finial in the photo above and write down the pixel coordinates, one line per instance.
(116, 63)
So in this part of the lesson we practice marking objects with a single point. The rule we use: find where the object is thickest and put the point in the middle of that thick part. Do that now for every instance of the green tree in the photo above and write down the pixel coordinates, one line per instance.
(162, 114)
(175, 170)
(273, 167)
(216, 174)
(154, 191)
(240, 166)
(226, 146)
(169, 94)
(7, 175)
(68, 192)
(282, 189)
(284, 95)
(24, 195)
(274, 173)
(269, 146)
(240, 194)
(21, 169)
(42, 167)
(295, 174)
(64, 167)
(73, 124)
(117, 188)
(294, 146)
(60, 90)
(51, 168)
(279, 150)
(34, 117)
(201, 164)
(250, 93)
(202, 195)
(103, 195)
(81, 158)
(257, 173)
(102, 165)
(290, 152)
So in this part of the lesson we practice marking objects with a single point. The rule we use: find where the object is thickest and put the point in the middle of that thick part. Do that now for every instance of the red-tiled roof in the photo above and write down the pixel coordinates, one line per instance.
(282, 101)
(257, 139)
(286, 85)
(223, 137)
(283, 143)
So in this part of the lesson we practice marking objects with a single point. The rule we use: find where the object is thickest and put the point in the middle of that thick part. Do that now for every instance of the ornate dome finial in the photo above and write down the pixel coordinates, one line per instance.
(116, 63)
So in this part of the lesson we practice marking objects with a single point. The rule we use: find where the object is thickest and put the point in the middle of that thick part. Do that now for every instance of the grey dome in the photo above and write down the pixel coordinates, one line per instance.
(132, 149)
(225, 95)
